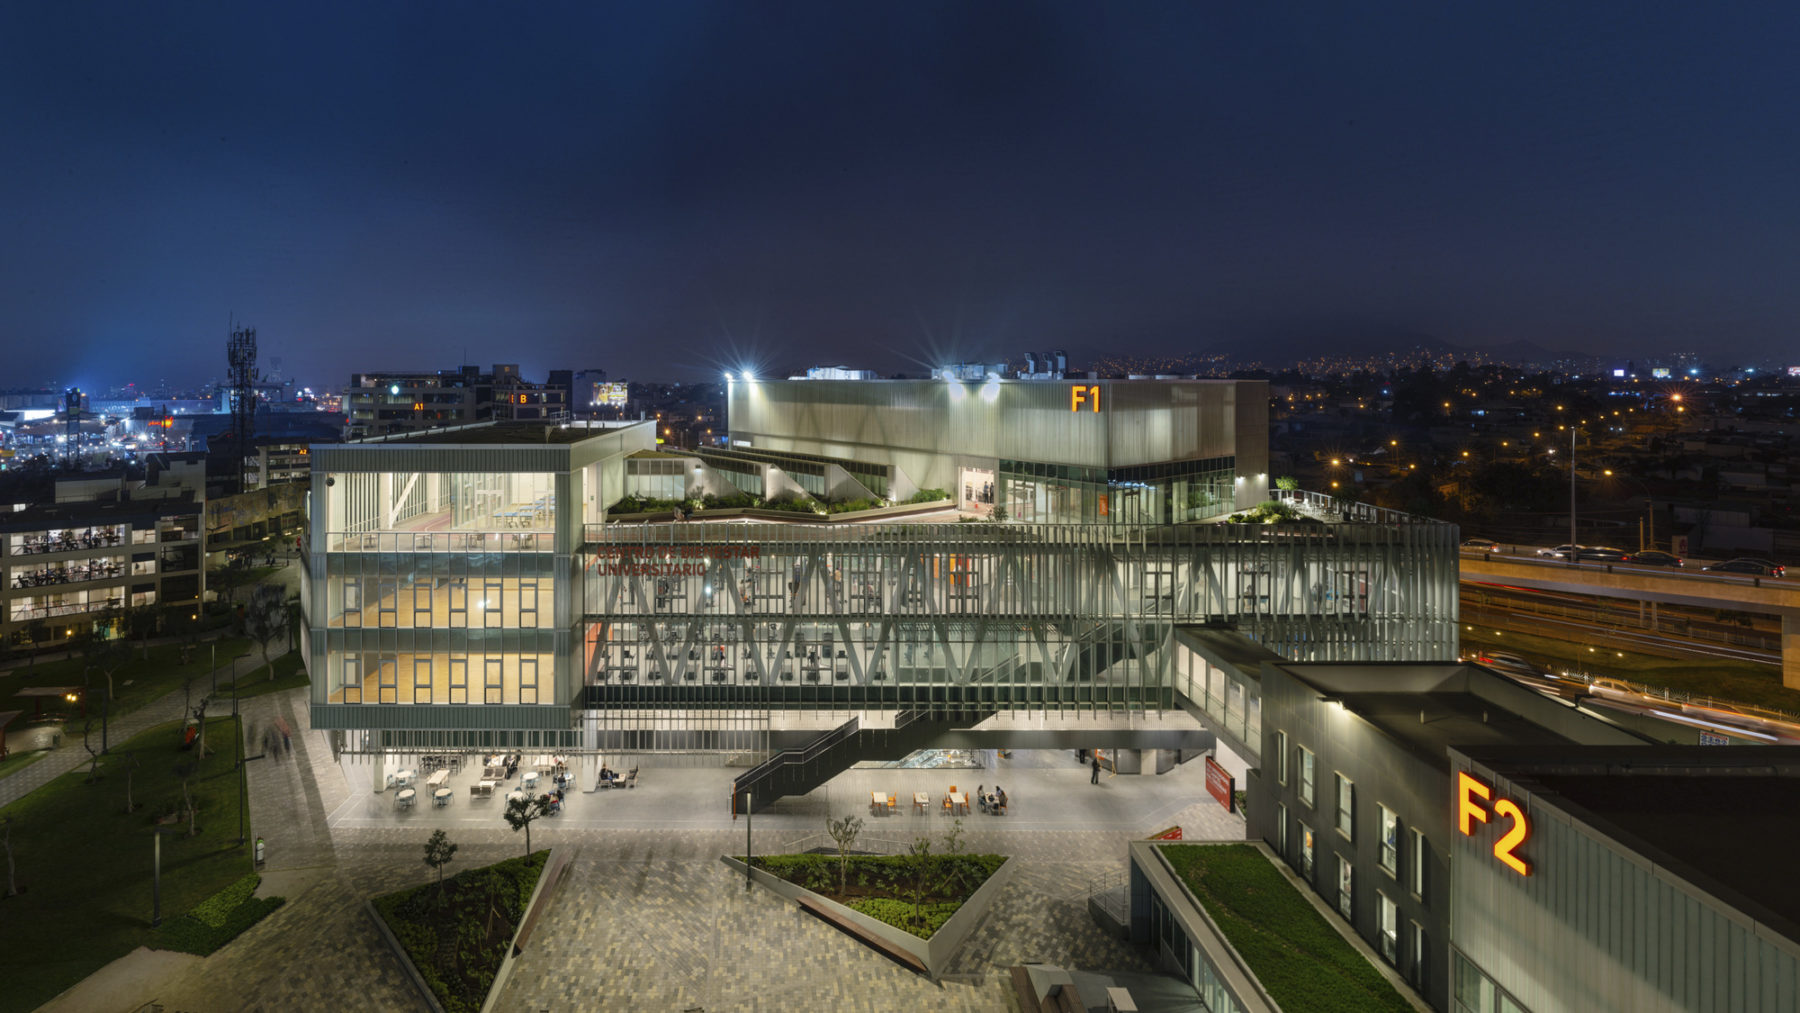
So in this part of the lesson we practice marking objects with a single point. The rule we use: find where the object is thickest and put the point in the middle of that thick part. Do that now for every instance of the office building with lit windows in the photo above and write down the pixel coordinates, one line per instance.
(466, 588)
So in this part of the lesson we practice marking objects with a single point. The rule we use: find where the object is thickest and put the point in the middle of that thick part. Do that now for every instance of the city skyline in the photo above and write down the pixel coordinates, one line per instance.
(666, 192)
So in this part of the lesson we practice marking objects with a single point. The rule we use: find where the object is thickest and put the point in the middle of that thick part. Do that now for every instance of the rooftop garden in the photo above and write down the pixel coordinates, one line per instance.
(1297, 955)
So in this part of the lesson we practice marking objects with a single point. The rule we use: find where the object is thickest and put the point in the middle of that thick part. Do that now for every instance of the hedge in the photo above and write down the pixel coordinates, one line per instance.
(218, 919)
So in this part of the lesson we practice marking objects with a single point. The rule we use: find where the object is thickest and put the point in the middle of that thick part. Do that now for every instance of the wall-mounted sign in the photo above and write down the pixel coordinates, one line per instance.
(1221, 785)
(1475, 802)
(1084, 397)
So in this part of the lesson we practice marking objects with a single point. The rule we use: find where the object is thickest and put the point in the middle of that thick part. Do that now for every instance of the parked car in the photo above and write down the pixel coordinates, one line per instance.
(1480, 545)
(1560, 552)
(1759, 567)
(1654, 557)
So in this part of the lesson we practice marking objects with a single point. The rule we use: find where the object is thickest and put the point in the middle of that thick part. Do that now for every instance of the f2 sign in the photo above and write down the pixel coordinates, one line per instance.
(1088, 396)
(1474, 803)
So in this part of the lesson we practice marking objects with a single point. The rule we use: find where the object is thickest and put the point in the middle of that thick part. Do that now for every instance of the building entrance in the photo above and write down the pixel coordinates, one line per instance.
(977, 493)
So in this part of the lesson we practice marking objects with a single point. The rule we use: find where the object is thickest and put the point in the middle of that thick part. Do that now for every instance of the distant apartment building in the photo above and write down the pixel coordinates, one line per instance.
(407, 401)
(106, 543)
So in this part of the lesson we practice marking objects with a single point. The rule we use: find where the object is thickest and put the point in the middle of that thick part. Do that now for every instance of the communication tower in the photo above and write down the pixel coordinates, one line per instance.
(241, 351)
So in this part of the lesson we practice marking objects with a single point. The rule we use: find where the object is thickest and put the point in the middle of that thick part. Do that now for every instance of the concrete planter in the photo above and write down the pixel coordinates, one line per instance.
(556, 869)
(935, 953)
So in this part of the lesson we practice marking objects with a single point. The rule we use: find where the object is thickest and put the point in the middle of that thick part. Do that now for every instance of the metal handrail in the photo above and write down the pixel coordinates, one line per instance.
(811, 751)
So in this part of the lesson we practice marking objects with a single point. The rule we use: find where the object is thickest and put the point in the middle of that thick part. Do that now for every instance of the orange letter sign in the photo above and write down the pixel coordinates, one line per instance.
(1466, 807)
(1521, 829)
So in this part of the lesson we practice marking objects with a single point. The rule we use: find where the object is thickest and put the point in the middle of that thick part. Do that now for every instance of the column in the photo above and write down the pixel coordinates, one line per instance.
(1790, 649)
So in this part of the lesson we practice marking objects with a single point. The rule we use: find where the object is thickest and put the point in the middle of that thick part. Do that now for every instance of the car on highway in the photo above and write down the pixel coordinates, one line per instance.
(1757, 567)
(1507, 663)
(1654, 557)
(1597, 553)
(1481, 545)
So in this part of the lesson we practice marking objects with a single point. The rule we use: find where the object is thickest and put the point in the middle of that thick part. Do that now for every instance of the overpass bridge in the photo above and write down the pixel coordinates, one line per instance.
(1778, 596)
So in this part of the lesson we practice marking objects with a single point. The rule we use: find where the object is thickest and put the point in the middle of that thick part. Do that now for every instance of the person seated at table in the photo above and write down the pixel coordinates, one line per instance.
(999, 799)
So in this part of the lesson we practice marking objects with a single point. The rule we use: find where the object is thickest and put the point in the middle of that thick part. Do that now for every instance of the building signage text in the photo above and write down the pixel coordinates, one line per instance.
(1084, 396)
(1475, 802)
(665, 560)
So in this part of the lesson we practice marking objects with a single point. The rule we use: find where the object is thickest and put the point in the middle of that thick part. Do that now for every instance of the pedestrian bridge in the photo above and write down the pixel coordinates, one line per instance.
(1768, 595)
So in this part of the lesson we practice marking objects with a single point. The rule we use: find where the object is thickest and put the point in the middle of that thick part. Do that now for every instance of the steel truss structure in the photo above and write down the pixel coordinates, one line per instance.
(992, 616)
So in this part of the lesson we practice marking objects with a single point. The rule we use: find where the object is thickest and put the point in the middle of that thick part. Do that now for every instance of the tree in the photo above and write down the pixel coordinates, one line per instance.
(266, 619)
(226, 581)
(105, 653)
(918, 883)
(522, 812)
(12, 882)
(844, 832)
(199, 713)
(93, 754)
(186, 771)
(140, 622)
(1287, 483)
(130, 806)
(439, 851)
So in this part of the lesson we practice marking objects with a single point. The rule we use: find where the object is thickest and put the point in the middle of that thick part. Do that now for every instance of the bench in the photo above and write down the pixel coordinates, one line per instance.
(900, 956)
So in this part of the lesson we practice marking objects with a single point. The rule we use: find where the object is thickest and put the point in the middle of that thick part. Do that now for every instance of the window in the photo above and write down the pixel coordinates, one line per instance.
(528, 684)
(1388, 928)
(1346, 806)
(1416, 870)
(492, 605)
(493, 688)
(1415, 953)
(1390, 841)
(1306, 853)
(459, 680)
(1281, 830)
(1306, 775)
(421, 604)
(1346, 879)
(387, 681)
(352, 681)
(1281, 758)
(421, 680)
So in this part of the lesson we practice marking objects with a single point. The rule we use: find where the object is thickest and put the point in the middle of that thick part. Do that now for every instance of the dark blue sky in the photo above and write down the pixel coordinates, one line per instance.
(661, 189)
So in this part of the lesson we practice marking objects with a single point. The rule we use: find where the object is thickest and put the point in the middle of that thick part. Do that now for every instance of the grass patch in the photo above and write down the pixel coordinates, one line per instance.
(136, 682)
(85, 863)
(457, 937)
(217, 920)
(288, 675)
(882, 886)
(1299, 958)
(1741, 682)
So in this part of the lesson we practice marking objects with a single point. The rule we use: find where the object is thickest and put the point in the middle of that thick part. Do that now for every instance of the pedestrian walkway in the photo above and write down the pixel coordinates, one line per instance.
(650, 918)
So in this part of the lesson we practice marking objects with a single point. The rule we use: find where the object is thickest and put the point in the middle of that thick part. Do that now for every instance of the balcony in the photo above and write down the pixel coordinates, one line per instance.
(440, 541)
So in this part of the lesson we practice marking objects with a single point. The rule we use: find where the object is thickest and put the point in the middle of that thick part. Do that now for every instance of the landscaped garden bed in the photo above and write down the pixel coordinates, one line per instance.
(1300, 959)
(217, 920)
(917, 894)
(458, 933)
(917, 908)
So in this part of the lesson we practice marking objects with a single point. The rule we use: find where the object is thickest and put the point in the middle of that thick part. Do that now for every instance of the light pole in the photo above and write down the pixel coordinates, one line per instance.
(1574, 551)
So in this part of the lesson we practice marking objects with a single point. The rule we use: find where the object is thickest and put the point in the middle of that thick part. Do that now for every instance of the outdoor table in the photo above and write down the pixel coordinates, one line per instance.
(405, 776)
(404, 798)
(442, 796)
(958, 800)
(529, 779)
(485, 789)
(877, 801)
(437, 779)
(921, 800)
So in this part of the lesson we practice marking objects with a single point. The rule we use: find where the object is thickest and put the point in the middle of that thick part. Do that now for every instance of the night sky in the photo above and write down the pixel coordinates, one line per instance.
(663, 189)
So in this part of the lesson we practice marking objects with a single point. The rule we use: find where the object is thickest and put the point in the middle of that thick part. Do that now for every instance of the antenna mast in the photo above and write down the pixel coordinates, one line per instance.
(241, 352)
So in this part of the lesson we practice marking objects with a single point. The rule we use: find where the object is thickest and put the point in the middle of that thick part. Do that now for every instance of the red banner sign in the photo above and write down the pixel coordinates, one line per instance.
(1220, 785)
(1171, 834)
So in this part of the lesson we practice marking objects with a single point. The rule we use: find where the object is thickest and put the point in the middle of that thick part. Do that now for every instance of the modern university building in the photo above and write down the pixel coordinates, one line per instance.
(467, 589)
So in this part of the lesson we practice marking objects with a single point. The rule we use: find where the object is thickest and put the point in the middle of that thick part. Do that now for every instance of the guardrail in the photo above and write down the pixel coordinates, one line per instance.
(766, 769)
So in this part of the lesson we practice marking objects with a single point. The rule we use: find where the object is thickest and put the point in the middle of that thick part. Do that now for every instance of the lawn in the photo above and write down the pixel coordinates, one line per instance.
(883, 886)
(85, 864)
(1741, 682)
(457, 936)
(1296, 954)
(288, 675)
(136, 681)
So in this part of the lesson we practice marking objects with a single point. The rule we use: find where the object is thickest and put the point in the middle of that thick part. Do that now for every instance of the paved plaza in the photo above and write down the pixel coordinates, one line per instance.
(650, 919)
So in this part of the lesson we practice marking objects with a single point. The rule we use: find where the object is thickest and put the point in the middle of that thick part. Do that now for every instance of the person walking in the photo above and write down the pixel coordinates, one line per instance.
(1095, 779)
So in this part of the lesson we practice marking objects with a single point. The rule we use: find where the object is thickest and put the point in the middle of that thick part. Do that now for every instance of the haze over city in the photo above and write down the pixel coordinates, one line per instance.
(667, 189)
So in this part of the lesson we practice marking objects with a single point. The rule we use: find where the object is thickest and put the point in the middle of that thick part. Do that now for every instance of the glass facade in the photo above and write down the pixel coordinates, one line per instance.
(364, 505)
(1171, 493)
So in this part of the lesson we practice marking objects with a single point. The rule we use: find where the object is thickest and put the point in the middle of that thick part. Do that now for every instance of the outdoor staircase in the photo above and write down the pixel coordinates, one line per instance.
(798, 771)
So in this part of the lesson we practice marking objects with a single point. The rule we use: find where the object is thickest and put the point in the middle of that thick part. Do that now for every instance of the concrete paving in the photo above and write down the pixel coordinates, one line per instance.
(650, 918)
